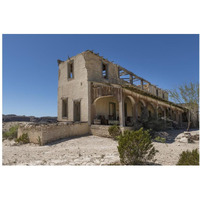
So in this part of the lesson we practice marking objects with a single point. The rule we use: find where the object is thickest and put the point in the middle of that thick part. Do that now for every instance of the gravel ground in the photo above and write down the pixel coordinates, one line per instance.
(87, 150)
(169, 153)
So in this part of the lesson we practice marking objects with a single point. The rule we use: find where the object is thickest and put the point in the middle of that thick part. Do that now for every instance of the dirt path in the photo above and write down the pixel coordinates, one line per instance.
(88, 150)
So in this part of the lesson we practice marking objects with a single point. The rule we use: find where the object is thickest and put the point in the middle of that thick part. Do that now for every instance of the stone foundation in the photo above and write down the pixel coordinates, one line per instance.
(44, 133)
(102, 130)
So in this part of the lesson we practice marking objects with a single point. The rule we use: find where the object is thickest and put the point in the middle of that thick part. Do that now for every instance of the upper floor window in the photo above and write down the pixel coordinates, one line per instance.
(70, 69)
(105, 71)
(157, 92)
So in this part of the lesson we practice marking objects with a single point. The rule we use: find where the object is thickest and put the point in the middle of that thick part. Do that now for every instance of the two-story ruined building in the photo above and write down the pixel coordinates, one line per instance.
(94, 90)
(94, 93)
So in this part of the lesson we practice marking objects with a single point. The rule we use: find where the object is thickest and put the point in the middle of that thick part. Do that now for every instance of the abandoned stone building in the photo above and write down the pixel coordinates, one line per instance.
(94, 93)
(94, 90)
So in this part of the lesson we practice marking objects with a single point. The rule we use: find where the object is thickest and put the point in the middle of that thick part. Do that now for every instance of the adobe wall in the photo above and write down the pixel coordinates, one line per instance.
(102, 106)
(94, 67)
(73, 89)
(51, 132)
(102, 130)
(34, 132)
(152, 89)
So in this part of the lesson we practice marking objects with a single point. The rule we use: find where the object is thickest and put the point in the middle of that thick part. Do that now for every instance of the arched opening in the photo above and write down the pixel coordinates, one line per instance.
(184, 117)
(160, 113)
(173, 115)
(168, 113)
(128, 110)
(151, 112)
(106, 111)
(141, 110)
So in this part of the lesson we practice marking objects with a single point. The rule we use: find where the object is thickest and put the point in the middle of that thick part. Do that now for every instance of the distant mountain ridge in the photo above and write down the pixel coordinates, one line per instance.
(23, 118)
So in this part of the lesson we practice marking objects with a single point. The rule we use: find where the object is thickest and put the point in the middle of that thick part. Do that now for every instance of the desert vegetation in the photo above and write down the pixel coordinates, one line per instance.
(135, 147)
(189, 158)
(11, 134)
(114, 131)
(23, 139)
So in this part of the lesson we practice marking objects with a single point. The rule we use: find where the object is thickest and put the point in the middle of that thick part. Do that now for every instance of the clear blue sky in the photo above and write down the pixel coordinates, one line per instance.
(30, 70)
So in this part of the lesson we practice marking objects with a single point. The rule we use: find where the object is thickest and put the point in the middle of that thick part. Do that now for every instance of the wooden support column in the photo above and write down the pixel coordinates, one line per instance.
(171, 116)
(148, 88)
(121, 110)
(146, 112)
(131, 79)
(135, 112)
(142, 84)
(177, 116)
(157, 112)
(165, 115)
(93, 113)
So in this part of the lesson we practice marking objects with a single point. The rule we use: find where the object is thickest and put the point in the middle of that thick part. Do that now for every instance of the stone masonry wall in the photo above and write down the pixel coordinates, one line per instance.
(102, 130)
(51, 132)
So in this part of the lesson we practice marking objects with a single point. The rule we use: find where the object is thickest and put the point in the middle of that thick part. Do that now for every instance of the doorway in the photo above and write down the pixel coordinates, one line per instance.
(77, 111)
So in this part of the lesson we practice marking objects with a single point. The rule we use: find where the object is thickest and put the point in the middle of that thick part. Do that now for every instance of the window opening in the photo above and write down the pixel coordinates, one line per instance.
(104, 71)
(65, 107)
(70, 70)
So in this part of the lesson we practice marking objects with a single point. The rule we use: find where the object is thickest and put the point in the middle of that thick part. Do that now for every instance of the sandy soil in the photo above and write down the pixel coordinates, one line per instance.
(87, 150)
(169, 152)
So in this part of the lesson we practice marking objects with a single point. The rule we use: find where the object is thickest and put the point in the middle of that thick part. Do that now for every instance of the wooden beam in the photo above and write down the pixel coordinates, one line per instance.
(123, 73)
(136, 80)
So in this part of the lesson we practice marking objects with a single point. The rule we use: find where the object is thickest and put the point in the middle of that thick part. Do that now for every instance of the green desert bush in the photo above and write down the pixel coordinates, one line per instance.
(23, 139)
(11, 134)
(114, 131)
(189, 158)
(135, 147)
(160, 139)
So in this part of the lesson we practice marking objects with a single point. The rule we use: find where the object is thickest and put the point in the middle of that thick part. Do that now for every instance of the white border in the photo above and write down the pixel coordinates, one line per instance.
(89, 16)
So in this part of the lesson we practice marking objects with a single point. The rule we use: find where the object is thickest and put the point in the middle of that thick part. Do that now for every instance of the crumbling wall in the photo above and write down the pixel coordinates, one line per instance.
(50, 132)
(94, 67)
(102, 130)
(34, 132)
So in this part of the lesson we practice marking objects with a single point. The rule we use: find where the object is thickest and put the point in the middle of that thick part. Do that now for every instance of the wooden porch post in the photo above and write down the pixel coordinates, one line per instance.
(121, 110)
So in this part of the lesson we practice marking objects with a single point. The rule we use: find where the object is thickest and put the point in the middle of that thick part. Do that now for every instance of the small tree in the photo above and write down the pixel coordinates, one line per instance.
(135, 147)
(189, 158)
(188, 96)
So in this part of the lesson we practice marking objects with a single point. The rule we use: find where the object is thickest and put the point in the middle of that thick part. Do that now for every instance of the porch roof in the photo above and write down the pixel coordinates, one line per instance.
(142, 92)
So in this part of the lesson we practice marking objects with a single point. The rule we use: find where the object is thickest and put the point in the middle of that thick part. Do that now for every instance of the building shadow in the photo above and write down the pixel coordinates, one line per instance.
(66, 139)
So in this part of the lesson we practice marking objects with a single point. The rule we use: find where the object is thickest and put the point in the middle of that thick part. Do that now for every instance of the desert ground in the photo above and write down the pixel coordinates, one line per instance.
(88, 150)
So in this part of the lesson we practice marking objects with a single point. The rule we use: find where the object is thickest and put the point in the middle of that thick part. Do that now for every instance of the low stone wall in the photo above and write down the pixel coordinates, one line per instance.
(102, 130)
(50, 132)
